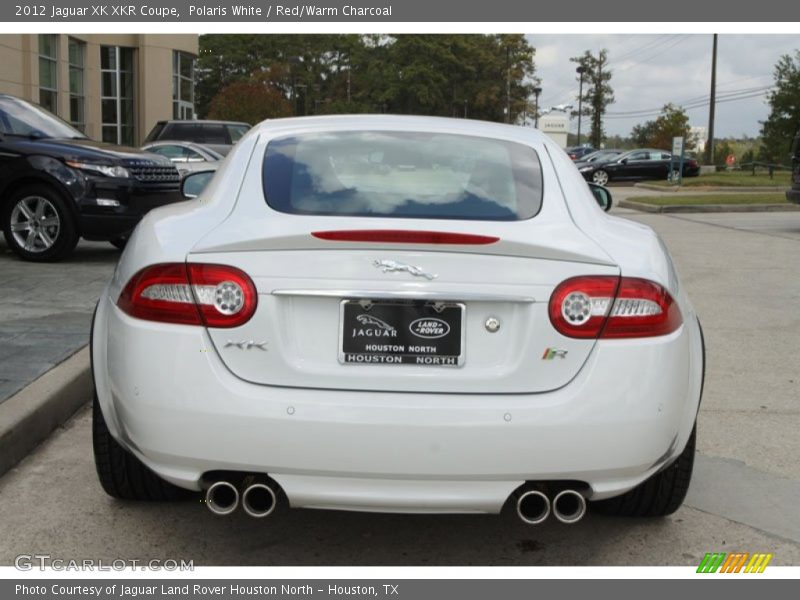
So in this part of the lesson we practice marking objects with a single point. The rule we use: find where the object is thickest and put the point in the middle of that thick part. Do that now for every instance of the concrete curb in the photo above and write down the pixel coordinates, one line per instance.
(707, 208)
(28, 417)
(710, 188)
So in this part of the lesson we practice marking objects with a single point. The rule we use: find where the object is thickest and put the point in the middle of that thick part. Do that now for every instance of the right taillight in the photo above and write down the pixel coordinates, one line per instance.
(190, 294)
(601, 306)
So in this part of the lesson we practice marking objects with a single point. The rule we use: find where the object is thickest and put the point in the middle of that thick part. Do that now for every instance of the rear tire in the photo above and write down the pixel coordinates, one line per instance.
(661, 495)
(121, 474)
(38, 224)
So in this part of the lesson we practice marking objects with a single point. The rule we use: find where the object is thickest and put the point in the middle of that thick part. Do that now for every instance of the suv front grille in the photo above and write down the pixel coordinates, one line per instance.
(155, 174)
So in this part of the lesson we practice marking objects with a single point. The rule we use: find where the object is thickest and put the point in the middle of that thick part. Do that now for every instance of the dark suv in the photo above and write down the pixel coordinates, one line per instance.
(218, 135)
(793, 195)
(57, 185)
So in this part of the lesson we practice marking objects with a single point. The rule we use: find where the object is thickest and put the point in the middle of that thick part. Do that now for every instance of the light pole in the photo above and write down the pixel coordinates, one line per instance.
(536, 92)
(712, 105)
(580, 71)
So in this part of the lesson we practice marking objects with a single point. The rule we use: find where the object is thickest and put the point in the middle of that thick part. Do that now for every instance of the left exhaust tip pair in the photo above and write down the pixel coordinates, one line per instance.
(257, 499)
(534, 507)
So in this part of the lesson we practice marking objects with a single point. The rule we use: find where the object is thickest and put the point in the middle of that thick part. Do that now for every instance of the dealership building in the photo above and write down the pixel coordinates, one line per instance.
(112, 87)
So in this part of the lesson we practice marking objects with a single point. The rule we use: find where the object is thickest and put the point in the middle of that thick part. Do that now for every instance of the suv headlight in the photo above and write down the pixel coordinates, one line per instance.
(107, 170)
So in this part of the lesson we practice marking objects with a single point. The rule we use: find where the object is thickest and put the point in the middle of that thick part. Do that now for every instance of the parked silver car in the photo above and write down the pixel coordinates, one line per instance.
(186, 156)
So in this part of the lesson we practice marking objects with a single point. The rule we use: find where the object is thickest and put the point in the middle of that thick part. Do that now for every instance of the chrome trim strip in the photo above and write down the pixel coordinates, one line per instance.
(407, 295)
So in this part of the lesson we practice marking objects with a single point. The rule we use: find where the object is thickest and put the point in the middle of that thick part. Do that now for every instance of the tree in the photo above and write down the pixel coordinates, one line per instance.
(597, 92)
(442, 75)
(784, 116)
(672, 122)
(250, 101)
(304, 67)
(642, 133)
(451, 75)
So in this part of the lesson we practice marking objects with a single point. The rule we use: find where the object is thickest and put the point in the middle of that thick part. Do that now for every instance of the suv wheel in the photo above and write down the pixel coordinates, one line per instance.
(38, 224)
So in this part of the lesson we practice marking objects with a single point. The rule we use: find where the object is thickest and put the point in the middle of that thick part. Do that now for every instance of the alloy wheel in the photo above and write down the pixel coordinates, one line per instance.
(600, 177)
(35, 224)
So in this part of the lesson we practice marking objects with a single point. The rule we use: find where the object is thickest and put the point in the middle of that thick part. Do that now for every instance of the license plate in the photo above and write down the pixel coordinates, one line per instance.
(401, 333)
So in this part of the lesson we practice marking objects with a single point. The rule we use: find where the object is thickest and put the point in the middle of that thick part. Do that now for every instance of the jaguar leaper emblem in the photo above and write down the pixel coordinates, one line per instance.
(393, 266)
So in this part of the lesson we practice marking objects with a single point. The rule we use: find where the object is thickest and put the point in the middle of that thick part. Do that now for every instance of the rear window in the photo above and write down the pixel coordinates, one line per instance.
(215, 134)
(403, 174)
(189, 132)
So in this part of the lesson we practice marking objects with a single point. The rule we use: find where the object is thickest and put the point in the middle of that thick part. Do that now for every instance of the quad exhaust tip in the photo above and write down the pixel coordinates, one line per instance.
(533, 507)
(222, 498)
(259, 500)
(569, 506)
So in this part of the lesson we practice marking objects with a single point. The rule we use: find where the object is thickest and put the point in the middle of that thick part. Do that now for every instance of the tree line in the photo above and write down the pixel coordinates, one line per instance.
(490, 77)
(255, 77)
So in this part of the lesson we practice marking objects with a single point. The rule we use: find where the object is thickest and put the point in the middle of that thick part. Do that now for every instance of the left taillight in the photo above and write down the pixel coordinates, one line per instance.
(190, 294)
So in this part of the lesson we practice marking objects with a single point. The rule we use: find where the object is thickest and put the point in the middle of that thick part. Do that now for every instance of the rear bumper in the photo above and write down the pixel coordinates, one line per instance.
(168, 398)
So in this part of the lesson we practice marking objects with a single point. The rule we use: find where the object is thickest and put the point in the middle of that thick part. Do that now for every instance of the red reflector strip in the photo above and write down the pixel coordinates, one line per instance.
(400, 236)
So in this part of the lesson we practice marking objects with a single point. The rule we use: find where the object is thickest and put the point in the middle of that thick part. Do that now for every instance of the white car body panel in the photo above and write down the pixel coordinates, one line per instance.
(396, 438)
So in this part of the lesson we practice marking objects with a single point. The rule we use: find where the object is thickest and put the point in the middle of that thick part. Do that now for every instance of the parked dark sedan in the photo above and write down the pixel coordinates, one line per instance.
(644, 163)
(793, 195)
(57, 185)
(598, 156)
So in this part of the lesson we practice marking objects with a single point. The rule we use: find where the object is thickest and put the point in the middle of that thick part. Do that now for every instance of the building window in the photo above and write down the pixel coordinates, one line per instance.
(116, 94)
(77, 99)
(182, 85)
(48, 72)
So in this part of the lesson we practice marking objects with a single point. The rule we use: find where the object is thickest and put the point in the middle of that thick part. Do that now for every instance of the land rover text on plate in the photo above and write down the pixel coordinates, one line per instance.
(397, 314)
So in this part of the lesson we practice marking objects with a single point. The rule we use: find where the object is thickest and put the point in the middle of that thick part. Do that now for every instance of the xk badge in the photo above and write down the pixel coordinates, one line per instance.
(246, 345)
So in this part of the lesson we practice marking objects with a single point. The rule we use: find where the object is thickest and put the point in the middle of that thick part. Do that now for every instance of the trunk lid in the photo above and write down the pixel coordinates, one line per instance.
(298, 337)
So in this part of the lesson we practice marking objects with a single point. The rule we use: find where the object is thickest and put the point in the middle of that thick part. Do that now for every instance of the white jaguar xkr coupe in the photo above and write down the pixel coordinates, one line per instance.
(401, 314)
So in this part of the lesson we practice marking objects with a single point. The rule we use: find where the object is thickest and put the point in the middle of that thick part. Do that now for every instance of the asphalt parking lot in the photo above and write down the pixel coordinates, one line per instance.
(743, 276)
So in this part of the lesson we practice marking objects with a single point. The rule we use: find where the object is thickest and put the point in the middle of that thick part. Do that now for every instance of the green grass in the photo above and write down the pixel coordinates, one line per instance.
(759, 198)
(734, 179)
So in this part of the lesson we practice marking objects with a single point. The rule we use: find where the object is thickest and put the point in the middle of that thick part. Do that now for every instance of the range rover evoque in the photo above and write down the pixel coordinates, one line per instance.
(57, 185)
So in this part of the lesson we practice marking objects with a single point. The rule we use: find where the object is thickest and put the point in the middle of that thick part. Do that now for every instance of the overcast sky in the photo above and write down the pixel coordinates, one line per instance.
(651, 70)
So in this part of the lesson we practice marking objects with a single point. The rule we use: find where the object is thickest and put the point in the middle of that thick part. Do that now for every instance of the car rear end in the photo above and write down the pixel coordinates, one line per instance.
(387, 318)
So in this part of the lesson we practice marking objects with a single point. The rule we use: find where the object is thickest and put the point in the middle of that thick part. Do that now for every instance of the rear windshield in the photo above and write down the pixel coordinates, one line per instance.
(403, 174)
